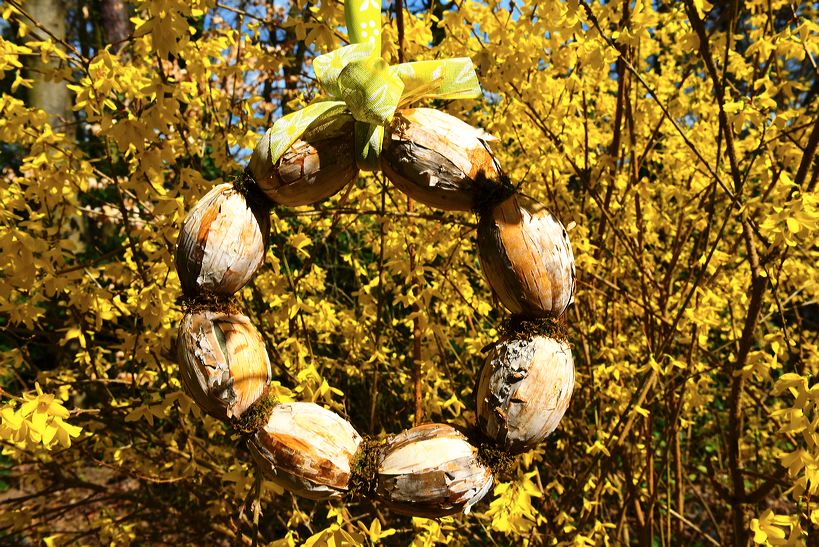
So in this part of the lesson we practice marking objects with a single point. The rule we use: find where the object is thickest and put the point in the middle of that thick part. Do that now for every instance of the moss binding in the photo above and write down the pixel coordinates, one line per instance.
(489, 193)
(245, 184)
(207, 301)
(523, 327)
(490, 455)
(364, 468)
(255, 417)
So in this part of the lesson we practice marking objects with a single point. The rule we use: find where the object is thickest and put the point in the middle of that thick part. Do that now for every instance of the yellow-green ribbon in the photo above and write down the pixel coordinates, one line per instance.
(360, 82)
(364, 22)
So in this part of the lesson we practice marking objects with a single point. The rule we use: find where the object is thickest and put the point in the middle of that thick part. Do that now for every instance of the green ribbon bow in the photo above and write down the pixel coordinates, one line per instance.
(360, 82)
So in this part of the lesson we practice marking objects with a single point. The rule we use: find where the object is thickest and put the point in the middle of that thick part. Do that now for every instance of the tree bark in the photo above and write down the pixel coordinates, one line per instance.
(46, 93)
(116, 24)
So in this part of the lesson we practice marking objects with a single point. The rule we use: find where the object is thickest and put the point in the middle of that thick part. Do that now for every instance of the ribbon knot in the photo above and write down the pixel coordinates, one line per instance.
(358, 81)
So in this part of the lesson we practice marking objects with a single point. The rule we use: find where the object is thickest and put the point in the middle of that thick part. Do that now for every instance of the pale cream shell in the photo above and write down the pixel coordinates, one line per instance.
(314, 168)
(527, 259)
(524, 390)
(306, 449)
(439, 160)
(223, 363)
(431, 471)
(222, 243)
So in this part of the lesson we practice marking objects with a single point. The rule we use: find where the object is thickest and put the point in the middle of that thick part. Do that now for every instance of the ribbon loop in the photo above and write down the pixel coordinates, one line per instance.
(328, 67)
(442, 79)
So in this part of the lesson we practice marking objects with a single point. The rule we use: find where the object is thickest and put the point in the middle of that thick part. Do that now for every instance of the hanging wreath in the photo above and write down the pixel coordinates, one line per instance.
(365, 122)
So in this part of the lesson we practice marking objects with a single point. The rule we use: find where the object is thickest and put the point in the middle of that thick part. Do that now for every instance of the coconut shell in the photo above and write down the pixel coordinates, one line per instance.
(306, 449)
(527, 259)
(431, 471)
(314, 168)
(223, 363)
(524, 390)
(440, 161)
(222, 243)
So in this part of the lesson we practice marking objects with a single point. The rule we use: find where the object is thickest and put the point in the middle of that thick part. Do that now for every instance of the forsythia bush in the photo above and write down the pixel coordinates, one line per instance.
(679, 139)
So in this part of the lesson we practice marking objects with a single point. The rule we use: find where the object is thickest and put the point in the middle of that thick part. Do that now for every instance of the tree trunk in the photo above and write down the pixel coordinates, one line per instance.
(116, 24)
(46, 93)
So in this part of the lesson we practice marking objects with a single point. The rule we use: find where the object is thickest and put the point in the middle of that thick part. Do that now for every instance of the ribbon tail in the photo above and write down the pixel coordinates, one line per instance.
(369, 139)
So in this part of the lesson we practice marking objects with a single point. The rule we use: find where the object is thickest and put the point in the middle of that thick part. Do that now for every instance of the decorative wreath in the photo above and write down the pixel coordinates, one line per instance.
(524, 388)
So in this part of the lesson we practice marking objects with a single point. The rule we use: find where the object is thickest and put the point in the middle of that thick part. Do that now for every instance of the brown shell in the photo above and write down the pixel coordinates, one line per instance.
(527, 259)
(222, 243)
(306, 449)
(223, 363)
(431, 471)
(314, 168)
(524, 390)
(439, 160)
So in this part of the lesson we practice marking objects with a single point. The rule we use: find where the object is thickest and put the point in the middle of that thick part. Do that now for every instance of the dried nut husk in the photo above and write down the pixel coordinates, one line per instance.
(306, 449)
(222, 243)
(222, 362)
(314, 168)
(527, 259)
(440, 161)
(431, 471)
(524, 390)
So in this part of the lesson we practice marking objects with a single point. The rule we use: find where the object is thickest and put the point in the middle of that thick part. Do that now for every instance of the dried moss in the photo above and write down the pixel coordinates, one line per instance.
(498, 460)
(525, 327)
(364, 469)
(255, 417)
(246, 185)
(490, 192)
(207, 301)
